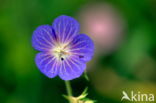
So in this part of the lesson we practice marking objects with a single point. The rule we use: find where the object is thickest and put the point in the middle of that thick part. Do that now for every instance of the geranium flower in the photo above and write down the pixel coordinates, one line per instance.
(63, 51)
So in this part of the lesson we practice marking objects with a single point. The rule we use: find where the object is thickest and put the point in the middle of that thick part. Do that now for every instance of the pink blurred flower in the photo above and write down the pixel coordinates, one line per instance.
(104, 24)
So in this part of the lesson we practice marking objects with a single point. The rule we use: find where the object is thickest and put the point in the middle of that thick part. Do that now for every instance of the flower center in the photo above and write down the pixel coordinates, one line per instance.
(61, 51)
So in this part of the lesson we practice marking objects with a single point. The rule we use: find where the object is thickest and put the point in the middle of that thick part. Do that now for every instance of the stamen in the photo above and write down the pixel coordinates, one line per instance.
(61, 51)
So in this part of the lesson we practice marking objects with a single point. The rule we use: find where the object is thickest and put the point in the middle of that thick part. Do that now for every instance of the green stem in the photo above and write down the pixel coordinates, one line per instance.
(68, 88)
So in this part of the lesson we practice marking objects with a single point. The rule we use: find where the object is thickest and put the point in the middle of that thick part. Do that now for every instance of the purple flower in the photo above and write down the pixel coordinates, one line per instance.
(63, 51)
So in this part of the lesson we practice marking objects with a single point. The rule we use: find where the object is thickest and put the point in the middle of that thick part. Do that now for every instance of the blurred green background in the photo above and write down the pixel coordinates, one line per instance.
(130, 65)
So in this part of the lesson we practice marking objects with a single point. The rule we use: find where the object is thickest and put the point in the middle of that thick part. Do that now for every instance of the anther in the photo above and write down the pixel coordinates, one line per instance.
(62, 58)
(81, 56)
